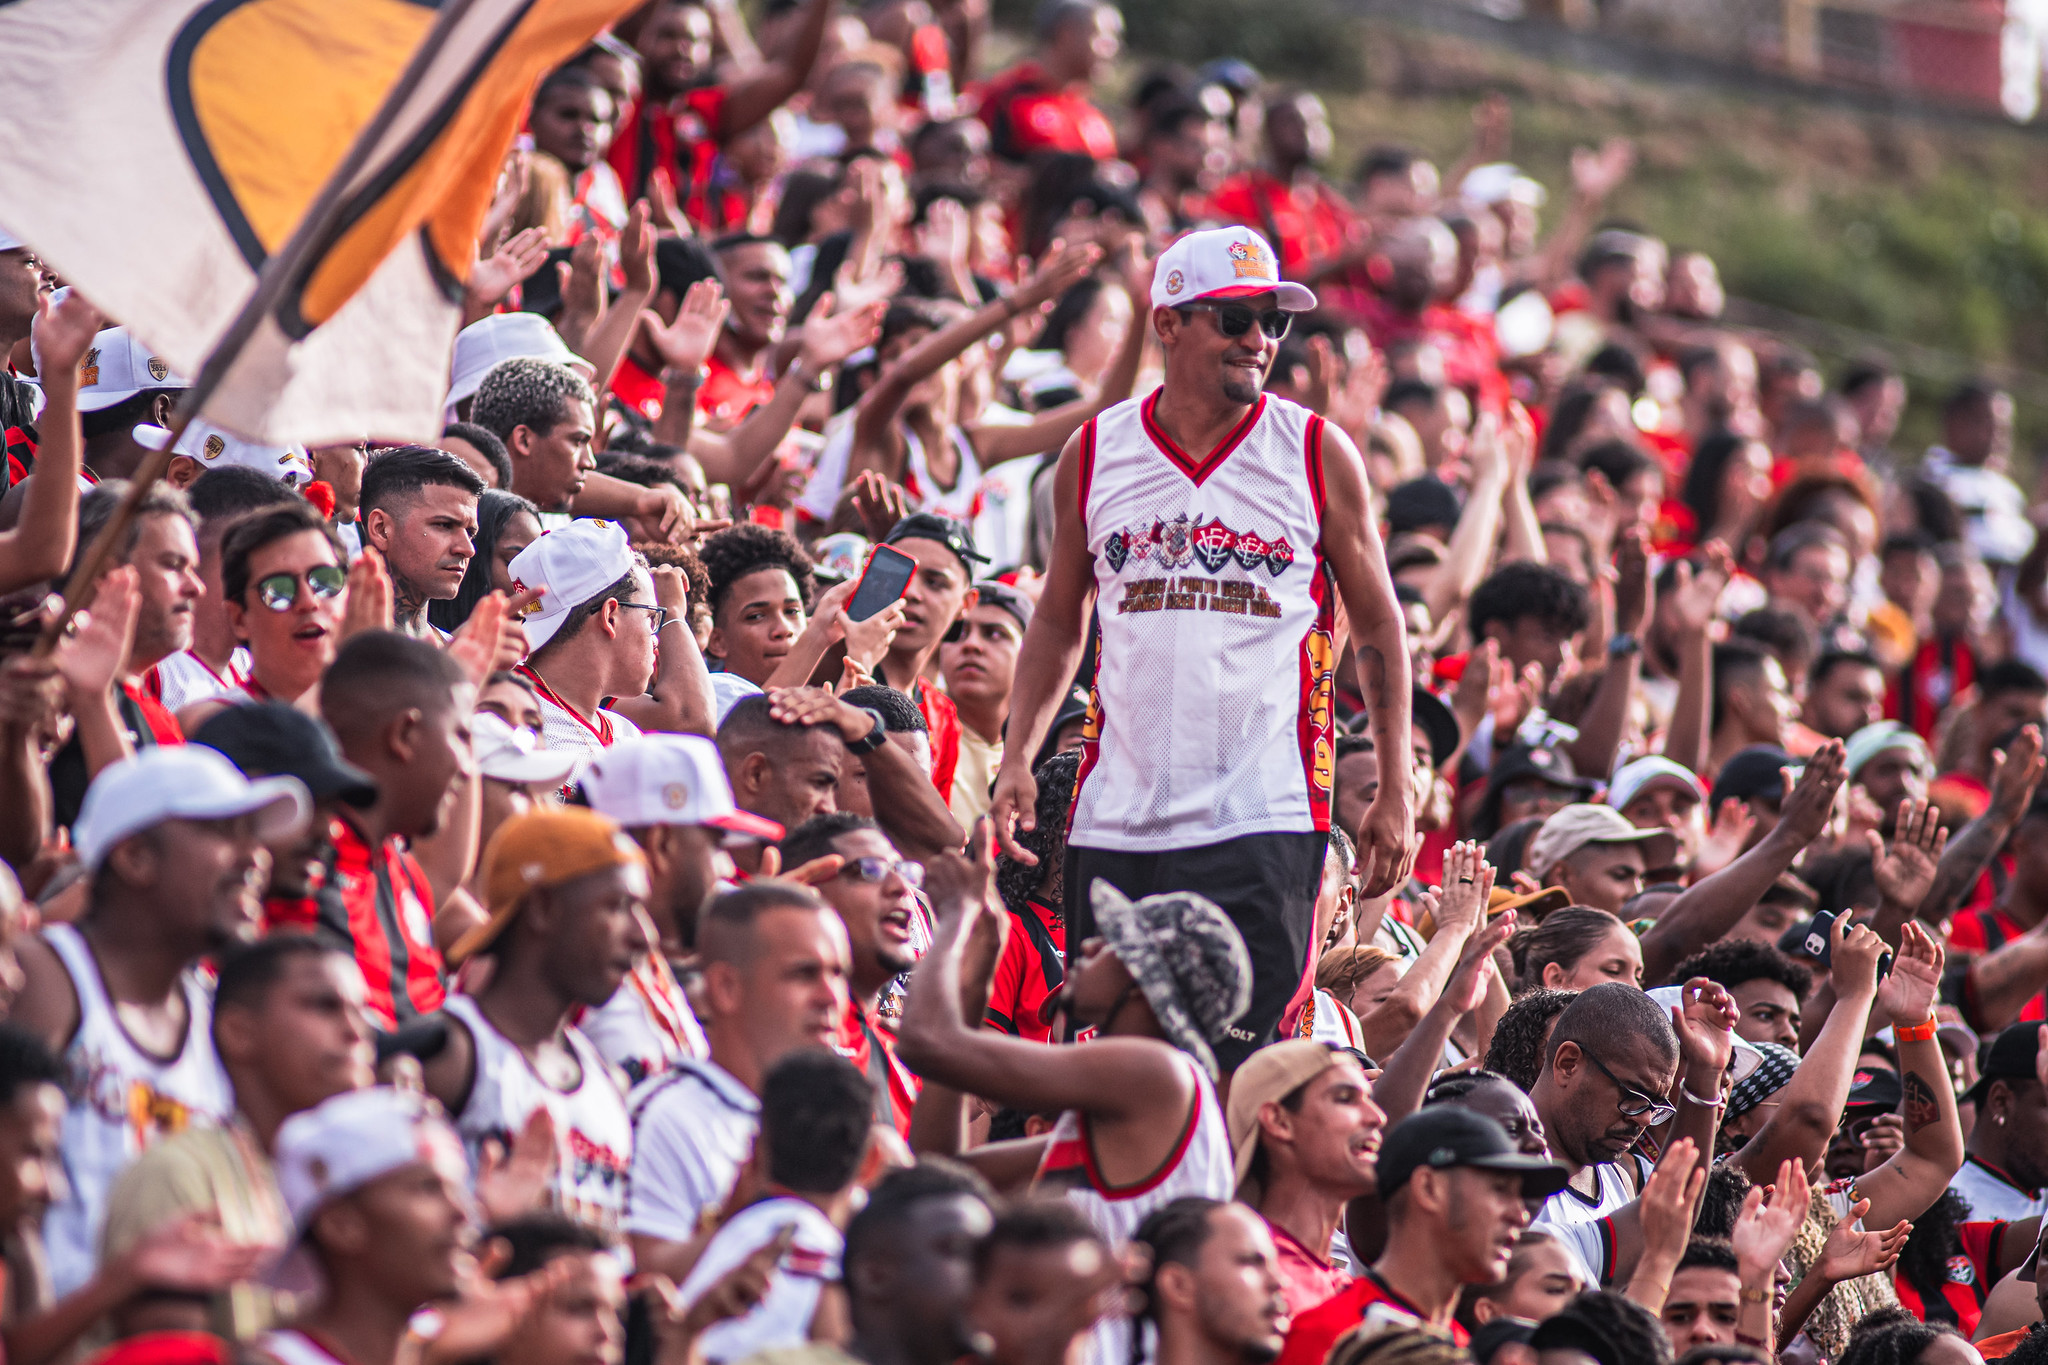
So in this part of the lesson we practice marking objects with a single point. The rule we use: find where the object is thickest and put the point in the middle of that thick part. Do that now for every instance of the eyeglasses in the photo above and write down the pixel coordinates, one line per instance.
(878, 870)
(281, 590)
(1634, 1104)
(661, 616)
(1235, 319)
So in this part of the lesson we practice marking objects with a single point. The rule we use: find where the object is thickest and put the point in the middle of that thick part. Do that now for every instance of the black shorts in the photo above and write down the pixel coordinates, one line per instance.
(1266, 883)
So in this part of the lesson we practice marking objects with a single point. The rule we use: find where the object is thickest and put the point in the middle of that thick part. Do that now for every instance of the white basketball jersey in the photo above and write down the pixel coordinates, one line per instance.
(1211, 712)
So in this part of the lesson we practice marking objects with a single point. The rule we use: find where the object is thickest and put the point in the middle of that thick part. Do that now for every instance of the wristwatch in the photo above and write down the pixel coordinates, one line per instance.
(1623, 644)
(874, 739)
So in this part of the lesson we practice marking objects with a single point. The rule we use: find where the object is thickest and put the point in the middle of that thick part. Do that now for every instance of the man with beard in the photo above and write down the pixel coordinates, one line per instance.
(419, 512)
(875, 893)
(172, 842)
(160, 546)
(1248, 825)
(1306, 1132)
(565, 892)
(1215, 1293)
(1454, 1185)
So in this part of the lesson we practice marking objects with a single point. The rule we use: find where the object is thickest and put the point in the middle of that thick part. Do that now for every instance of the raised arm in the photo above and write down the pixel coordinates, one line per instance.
(1470, 551)
(1907, 1184)
(764, 89)
(2014, 776)
(1122, 1078)
(824, 340)
(1711, 907)
(1048, 657)
(42, 542)
(1606, 719)
(1810, 1104)
(1351, 545)
(1404, 1077)
(1694, 596)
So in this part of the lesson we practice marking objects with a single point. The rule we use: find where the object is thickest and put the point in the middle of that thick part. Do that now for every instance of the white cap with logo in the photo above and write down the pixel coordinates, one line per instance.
(182, 782)
(345, 1142)
(667, 779)
(117, 367)
(217, 448)
(1223, 263)
(574, 564)
(505, 336)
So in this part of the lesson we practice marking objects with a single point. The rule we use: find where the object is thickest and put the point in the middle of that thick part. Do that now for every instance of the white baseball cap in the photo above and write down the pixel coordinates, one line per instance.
(509, 753)
(574, 564)
(666, 779)
(1500, 182)
(10, 242)
(182, 782)
(117, 367)
(216, 448)
(1223, 263)
(506, 336)
(1631, 778)
(342, 1144)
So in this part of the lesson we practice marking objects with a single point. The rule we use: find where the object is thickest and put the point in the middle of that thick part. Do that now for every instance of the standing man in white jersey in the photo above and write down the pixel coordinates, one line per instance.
(172, 841)
(1215, 529)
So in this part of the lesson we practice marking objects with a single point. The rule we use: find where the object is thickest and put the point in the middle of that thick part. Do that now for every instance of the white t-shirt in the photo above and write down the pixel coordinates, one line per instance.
(783, 1316)
(693, 1128)
(647, 1026)
(1990, 1194)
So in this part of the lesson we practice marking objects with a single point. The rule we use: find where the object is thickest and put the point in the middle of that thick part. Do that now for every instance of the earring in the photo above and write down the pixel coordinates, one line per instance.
(1999, 1119)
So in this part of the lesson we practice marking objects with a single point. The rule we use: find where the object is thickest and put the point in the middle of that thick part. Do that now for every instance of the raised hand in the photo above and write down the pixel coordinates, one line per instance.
(1595, 175)
(1706, 1027)
(93, 656)
(512, 1182)
(1850, 1254)
(828, 338)
(962, 884)
(1668, 1198)
(880, 501)
(1905, 867)
(367, 601)
(947, 235)
(867, 641)
(1484, 675)
(1853, 959)
(492, 278)
(1634, 590)
(2014, 775)
(61, 334)
(1725, 841)
(1696, 592)
(636, 250)
(191, 1256)
(687, 343)
(1467, 985)
(1061, 269)
(1805, 811)
(1468, 881)
(1908, 993)
(1769, 1220)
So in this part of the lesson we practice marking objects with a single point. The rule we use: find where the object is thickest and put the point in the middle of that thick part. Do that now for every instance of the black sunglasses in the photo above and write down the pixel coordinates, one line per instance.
(281, 590)
(1235, 319)
(1632, 1102)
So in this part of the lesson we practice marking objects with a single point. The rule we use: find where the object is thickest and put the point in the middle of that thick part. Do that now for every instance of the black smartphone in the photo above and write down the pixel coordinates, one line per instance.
(883, 580)
(1816, 939)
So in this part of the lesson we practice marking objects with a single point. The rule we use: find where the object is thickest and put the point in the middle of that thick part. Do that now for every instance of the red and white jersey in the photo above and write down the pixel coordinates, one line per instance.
(1211, 713)
(184, 678)
(1200, 1165)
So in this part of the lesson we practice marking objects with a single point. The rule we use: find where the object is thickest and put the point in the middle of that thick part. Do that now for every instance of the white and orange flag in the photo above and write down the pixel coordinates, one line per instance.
(159, 154)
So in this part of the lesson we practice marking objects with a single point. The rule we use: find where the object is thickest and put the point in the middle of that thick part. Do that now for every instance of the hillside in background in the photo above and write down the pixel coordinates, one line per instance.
(1921, 237)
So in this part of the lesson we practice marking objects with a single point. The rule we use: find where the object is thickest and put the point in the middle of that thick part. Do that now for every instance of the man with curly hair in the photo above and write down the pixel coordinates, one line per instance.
(1769, 987)
(1032, 968)
(1532, 610)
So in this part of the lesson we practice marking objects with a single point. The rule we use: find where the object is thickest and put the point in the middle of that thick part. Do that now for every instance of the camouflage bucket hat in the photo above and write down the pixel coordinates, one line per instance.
(1186, 956)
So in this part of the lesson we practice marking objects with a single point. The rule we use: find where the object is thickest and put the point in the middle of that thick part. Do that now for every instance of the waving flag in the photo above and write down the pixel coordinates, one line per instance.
(161, 154)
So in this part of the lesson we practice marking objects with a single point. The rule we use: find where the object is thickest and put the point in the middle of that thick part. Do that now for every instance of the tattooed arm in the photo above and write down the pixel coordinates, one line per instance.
(1907, 1185)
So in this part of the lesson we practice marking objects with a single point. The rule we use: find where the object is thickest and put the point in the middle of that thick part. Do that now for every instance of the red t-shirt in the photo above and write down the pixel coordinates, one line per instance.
(860, 1038)
(389, 925)
(727, 395)
(1303, 223)
(1025, 115)
(163, 726)
(943, 718)
(1030, 971)
(680, 135)
(1309, 1279)
(1941, 669)
(1313, 1334)
(638, 390)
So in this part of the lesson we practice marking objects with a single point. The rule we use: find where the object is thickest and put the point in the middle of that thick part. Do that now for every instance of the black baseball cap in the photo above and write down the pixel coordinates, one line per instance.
(2010, 1058)
(1874, 1088)
(950, 532)
(271, 739)
(1443, 1136)
(1755, 773)
(1006, 598)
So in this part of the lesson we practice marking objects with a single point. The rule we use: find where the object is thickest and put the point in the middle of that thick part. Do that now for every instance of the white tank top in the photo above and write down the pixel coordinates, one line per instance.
(963, 499)
(1200, 1165)
(647, 1026)
(121, 1099)
(593, 1136)
(1211, 712)
(185, 678)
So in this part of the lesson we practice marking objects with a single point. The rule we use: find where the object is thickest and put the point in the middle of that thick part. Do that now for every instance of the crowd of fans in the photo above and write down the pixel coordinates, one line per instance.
(1571, 886)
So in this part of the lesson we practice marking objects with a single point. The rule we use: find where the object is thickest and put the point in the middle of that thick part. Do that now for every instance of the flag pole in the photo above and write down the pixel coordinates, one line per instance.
(279, 272)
